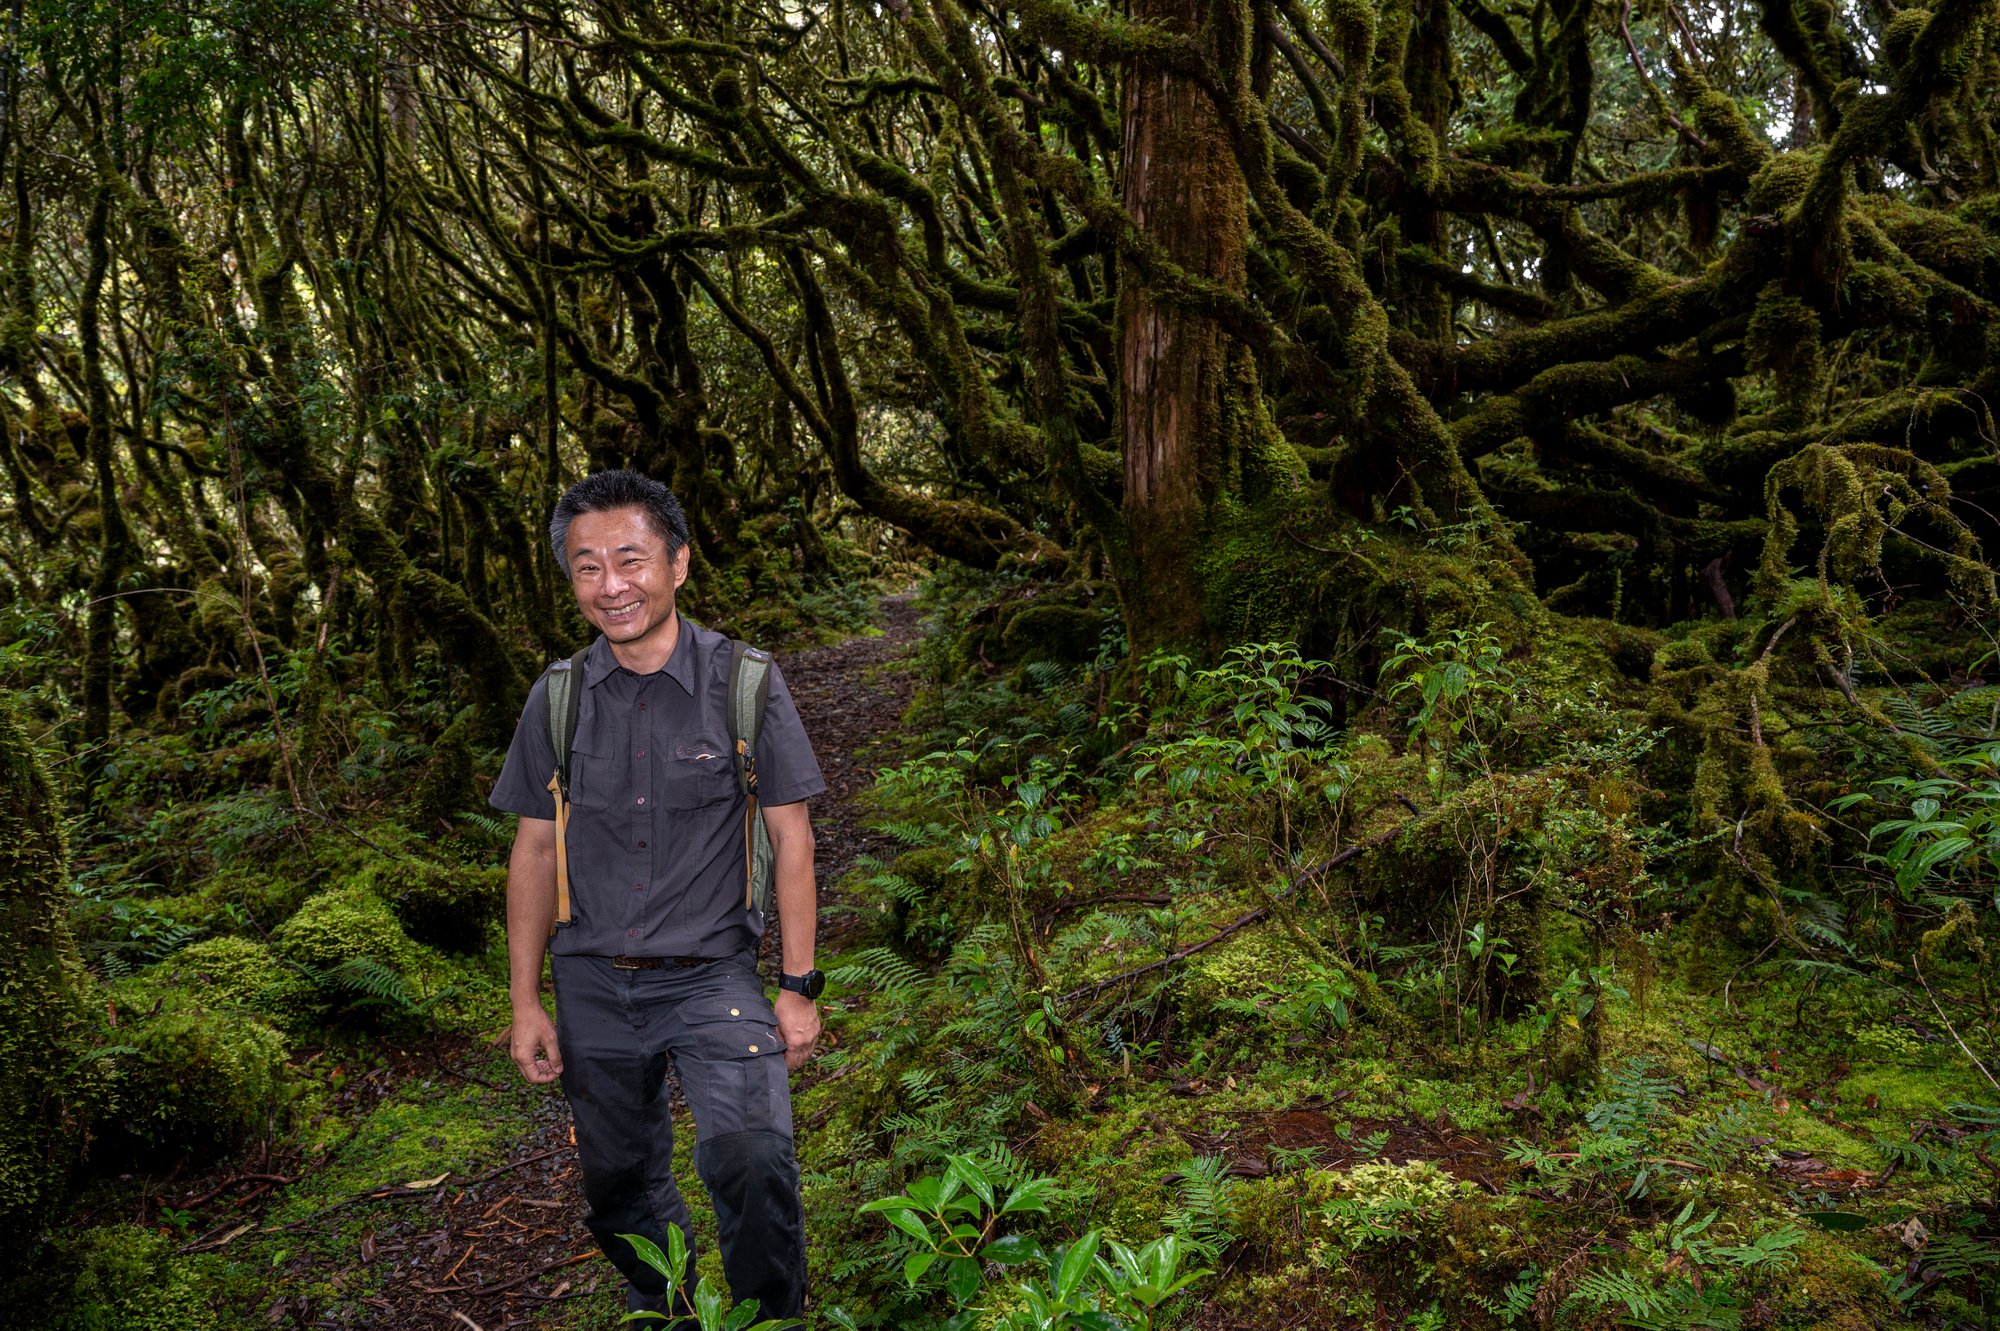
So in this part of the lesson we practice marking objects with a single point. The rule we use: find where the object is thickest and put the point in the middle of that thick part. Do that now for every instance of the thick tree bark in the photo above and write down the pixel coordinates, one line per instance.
(1182, 378)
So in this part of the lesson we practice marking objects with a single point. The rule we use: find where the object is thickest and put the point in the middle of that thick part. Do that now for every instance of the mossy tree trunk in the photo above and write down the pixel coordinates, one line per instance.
(1185, 383)
(47, 1088)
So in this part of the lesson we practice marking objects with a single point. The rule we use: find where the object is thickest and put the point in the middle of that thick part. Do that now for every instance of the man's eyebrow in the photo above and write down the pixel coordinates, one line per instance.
(584, 550)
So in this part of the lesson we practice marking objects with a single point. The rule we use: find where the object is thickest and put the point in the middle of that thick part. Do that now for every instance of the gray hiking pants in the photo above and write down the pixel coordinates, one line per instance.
(618, 1031)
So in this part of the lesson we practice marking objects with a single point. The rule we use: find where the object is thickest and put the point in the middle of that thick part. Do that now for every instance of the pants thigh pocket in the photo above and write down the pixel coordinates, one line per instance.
(732, 1068)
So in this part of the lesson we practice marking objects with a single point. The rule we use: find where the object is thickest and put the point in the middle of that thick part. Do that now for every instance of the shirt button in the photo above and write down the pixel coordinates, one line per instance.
(734, 1012)
(642, 753)
(642, 799)
(633, 932)
(753, 1048)
(638, 887)
(642, 707)
(642, 845)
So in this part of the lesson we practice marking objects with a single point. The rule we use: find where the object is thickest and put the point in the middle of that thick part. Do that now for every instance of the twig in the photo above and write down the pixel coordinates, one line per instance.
(1239, 922)
(513, 1164)
(392, 1192)
(467, 1320)
(227, 1184)
(1659, 101)
(482, 1291)
(1919, 970)
(1251, 917)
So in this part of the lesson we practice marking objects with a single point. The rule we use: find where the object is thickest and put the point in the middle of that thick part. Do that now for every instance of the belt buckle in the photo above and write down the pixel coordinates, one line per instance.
(624, 963)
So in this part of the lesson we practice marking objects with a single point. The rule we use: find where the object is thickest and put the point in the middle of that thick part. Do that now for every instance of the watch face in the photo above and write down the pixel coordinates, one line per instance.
(813, 982)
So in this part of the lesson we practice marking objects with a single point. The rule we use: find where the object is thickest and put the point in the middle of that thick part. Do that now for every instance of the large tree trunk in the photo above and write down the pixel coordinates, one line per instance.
(1183, 381)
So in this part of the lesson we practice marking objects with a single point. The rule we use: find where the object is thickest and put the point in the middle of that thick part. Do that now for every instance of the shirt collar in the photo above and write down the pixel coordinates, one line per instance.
(599, 662)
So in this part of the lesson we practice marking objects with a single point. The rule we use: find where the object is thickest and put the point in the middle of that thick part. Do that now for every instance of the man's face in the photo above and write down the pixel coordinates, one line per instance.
(622, 575)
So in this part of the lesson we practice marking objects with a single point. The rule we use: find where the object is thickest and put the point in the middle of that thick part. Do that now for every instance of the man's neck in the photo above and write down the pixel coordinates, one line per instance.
(649, 655)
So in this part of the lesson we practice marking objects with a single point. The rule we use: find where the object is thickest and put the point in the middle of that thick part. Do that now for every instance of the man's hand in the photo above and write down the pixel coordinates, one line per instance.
(534, 1045)
(798, 1022)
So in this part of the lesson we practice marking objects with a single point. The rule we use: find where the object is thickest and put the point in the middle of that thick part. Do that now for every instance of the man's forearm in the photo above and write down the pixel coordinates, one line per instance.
(798, 901)
(531, 907)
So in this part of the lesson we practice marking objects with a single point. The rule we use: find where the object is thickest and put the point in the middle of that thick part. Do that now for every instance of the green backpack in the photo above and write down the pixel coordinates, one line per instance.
(749, 691)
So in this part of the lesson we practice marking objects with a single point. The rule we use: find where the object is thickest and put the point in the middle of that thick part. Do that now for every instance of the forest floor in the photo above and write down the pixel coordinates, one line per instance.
(447, 1192)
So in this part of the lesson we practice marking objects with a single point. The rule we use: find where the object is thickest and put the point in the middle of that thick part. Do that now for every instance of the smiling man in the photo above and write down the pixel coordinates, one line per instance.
(657, 964)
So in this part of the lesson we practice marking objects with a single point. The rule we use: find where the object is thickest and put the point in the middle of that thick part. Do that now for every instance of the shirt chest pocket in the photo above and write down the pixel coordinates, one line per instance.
(597, 772)
(698, 772)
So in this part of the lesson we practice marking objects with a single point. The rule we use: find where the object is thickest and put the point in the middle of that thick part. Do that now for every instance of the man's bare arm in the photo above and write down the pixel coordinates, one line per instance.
(797, 894)
(531, 909)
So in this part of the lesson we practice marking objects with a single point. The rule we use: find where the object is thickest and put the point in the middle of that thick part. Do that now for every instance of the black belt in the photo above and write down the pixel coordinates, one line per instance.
(659, 963)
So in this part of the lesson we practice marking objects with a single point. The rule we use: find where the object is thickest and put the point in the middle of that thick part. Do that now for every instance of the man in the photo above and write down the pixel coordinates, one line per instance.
(658, 964)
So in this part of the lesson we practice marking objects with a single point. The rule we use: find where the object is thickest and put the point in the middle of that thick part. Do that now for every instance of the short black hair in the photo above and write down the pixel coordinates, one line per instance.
(618, 489)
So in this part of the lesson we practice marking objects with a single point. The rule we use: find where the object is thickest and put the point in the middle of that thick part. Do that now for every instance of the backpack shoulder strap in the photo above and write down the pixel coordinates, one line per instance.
(564, 699)
(749, 692)
(565, 703)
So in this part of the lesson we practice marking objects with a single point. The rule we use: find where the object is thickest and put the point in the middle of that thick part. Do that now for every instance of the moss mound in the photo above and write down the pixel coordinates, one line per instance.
(196, 1078)
(339, 926)
(453, 907)
(127, 1278)
(228, 972)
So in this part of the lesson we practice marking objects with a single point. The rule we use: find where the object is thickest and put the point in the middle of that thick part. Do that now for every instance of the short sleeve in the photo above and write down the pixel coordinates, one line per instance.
(787, 772)
(523, 786)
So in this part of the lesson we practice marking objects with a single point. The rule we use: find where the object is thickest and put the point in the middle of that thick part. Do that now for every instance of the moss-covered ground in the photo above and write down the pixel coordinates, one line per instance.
(1451, 1016)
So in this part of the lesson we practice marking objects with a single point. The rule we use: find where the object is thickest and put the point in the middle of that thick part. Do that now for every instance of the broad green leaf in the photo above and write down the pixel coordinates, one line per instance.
(649, 1253)
(967, 1171)
(1076, 1264)
(1014, 1250)
(962, 1280)
(911, 1224)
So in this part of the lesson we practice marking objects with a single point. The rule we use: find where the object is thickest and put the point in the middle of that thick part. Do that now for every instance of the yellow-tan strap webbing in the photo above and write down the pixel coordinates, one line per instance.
(562, 851)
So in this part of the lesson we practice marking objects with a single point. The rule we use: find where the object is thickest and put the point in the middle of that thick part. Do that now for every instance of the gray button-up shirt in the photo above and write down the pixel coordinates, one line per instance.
(656, 815)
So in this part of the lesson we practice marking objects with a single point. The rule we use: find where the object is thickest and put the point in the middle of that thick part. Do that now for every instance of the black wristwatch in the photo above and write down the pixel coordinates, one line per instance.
(811, 984)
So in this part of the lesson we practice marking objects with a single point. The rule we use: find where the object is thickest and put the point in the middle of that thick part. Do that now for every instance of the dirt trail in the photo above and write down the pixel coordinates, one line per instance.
(853, 710)
(494, 1250)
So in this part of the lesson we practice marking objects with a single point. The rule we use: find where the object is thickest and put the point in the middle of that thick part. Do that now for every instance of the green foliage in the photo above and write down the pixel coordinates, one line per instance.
(1949, 842)
(1693, 1282)
(1622, 1144)
(708, 1303)
(125, 1278)
(947, 1226)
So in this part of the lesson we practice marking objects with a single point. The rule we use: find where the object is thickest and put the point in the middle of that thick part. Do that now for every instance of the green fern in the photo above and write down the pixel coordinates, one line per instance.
(1201, 1216)
(495, 827)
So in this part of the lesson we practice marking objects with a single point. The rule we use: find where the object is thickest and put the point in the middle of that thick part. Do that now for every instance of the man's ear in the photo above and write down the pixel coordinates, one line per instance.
(681, 557)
